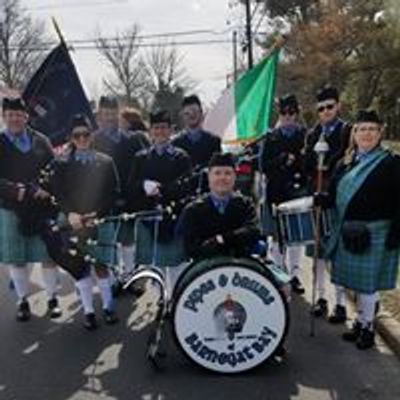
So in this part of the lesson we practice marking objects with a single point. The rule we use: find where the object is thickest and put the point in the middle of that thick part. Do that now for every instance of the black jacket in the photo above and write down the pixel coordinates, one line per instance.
(201, 222)
(338, 141)
(379, 196)
(165, 168)
(201, 150)
(285, 181)
(85, 188)
(122, 152)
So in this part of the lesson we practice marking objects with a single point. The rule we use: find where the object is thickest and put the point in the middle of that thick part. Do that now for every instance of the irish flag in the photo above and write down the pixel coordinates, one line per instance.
(244, 110)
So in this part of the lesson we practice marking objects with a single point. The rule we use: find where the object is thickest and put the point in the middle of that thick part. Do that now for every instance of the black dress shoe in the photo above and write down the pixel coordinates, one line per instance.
(366, 340)
(53, 309)
(354, 333)
(339, 315)
(110, 318)
(90, 322)
(321, 308)
(296, 285)
(23, 311)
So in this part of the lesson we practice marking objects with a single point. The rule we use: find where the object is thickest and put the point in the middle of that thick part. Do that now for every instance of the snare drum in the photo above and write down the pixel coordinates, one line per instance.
(296, 221)
(229, 315)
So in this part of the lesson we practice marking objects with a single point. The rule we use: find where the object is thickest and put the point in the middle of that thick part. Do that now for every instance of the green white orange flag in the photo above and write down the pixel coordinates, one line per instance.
(244, 110)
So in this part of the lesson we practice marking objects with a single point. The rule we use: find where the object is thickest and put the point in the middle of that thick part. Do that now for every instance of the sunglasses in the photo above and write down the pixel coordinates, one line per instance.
(327, 107)
(80, 134)
(288, 112)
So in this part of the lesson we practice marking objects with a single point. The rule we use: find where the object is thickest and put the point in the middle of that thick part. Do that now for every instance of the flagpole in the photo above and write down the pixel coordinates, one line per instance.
(58, 31)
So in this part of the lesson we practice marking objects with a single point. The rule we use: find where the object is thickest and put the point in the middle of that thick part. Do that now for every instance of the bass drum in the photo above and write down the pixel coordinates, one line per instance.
(229, 314)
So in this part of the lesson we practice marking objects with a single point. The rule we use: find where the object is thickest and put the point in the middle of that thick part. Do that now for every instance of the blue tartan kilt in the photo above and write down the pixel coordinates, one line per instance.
(16, 248)
(374, 270)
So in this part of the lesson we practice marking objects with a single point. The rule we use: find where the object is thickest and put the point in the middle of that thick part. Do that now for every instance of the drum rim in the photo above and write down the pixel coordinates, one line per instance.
(219, 262)
(281, 209)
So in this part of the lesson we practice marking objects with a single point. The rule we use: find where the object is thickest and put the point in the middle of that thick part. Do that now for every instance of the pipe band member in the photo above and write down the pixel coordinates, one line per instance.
(337, 134)
(364, 247)
(23, 153)
(86, 184)
(121, 135)
(223, 222)
(155, 171)
(282, 163)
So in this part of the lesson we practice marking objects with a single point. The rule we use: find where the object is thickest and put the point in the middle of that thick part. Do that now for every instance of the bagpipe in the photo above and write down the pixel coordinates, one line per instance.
(39, 214)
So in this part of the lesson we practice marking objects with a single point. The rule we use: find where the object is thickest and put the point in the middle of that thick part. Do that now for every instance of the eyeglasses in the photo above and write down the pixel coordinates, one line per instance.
(326, 107)
(80, 134)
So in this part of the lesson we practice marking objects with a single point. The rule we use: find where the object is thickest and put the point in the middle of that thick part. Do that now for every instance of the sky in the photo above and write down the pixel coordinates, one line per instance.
(207, 64)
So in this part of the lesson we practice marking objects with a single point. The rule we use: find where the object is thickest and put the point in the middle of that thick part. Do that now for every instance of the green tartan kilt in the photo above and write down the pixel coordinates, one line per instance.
(374, 270)
(16, 248)
(106, 250)
(170, 254)
(126, 233)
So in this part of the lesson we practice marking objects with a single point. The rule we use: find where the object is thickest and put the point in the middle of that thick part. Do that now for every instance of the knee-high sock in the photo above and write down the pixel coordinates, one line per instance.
(340, 293)
(320, 279)
(275, 253)
(366, 309)
(85, 289)
(105, 293)
(127, 256)
(20, 278)
(50, 280)
(293, 257)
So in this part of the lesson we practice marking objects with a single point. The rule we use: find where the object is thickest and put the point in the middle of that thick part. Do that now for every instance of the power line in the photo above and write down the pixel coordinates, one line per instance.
(142, 45)
(163, 35)
(76, 5)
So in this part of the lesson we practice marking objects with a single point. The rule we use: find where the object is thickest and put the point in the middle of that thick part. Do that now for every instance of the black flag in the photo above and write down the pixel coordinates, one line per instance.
(54, 95)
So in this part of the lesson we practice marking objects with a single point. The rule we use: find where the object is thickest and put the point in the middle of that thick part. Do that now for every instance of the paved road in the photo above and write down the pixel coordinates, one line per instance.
(60, 361)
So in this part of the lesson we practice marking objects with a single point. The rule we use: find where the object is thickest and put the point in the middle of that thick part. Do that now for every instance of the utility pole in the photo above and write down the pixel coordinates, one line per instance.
(235, 58)
(249, 36)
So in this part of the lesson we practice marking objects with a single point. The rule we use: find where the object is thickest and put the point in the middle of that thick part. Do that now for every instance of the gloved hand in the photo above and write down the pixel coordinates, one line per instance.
(392, 241)
(75, 220)
(151, 188)
(322, 199)
(211, 246)
(356, 237)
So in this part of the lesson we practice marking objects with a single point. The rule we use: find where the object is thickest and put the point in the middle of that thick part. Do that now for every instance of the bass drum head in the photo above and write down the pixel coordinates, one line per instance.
(229, 315)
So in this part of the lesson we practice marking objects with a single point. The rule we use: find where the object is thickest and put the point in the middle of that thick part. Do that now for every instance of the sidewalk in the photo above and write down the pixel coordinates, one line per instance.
(387, 326)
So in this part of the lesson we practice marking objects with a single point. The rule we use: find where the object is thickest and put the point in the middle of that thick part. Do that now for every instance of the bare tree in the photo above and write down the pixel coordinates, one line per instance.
(21, 44)
(123, 58)
(165, 71)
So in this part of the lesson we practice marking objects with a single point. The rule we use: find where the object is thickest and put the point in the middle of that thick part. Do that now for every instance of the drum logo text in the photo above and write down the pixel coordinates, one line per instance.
(197, 295)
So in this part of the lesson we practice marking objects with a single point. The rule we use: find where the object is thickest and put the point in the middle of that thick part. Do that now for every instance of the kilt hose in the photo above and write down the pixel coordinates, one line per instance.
(374, 270)
(15, 248)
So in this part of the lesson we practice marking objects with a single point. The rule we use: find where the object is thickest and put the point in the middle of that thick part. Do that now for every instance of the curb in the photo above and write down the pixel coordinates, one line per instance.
(389, 329)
